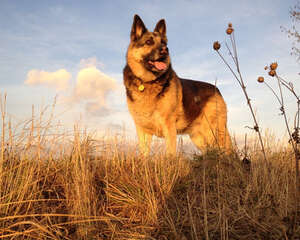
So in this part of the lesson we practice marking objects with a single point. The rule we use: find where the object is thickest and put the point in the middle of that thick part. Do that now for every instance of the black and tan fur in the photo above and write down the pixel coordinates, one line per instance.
(165, 105)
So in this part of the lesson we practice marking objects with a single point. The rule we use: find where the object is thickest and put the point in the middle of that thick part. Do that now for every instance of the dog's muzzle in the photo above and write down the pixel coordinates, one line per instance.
(164, 51)
(159, 64)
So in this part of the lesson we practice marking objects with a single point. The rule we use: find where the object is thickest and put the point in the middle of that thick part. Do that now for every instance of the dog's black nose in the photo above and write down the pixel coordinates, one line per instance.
(164, 50)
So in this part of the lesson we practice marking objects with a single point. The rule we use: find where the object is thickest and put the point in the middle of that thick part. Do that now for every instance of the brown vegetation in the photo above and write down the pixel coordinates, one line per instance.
(59, 186)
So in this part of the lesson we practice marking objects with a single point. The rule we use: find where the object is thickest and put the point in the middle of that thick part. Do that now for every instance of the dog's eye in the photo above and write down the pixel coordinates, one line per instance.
(149, 42)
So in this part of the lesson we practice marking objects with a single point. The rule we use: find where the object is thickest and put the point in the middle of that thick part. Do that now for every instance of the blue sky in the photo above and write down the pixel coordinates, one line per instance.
(75, 50)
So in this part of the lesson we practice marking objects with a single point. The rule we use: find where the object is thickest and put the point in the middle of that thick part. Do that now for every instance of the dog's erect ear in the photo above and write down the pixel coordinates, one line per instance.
(161, 27)
(138, 28)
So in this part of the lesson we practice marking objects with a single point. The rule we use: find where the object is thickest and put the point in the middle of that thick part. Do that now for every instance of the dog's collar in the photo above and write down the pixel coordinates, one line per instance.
(163, 79)
(141, 88)
(130, 81)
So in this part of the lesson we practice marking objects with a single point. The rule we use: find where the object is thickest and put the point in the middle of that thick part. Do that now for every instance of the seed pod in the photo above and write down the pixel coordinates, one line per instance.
(273, 66)
(260, 79)
(272, 73)
(229, 30)
(217, 45)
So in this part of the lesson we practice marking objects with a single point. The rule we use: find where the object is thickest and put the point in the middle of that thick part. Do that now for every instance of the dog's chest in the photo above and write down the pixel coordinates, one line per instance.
(149, 110)
(144, 104)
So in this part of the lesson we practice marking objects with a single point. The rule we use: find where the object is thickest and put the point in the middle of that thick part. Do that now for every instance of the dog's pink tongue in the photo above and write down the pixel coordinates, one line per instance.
(160, 65)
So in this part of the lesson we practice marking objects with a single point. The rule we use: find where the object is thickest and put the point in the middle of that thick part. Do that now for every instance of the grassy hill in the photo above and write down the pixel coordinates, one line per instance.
(58, 186)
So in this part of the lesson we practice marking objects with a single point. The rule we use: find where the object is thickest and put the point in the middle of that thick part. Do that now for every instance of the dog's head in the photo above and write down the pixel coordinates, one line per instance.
(148, 54)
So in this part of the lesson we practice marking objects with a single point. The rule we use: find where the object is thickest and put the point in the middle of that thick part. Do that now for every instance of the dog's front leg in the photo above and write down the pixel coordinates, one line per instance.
(144, 141)
(170, 135)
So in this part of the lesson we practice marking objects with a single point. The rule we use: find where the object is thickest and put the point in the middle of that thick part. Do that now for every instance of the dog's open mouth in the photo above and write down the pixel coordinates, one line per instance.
(159, 64)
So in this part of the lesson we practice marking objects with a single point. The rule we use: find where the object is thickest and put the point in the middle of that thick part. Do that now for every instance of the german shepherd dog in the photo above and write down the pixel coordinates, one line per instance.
(165, 105)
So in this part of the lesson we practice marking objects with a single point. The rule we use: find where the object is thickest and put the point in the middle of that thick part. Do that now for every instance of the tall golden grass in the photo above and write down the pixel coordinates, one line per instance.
(57, 185)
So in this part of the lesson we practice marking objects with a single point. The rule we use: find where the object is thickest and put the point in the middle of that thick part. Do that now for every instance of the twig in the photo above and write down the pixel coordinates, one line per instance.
(239, 78)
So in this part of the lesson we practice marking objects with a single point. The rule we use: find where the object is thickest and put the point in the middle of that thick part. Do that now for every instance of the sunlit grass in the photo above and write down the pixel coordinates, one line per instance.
(70, 186)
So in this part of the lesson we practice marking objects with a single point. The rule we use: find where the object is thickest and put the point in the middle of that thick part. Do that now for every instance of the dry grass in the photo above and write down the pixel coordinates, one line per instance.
(66, 186)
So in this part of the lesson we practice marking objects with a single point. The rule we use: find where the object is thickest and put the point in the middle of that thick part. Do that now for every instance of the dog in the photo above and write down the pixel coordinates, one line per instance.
(165, 105)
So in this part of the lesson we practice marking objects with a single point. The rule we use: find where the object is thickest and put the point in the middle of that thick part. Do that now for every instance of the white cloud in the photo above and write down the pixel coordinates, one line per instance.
(93, 86)
(58, 80)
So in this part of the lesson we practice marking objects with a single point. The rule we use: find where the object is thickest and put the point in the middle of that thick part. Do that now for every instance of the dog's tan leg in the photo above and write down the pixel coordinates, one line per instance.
(170, 136)
(144, 141)
(205, 136)
(209, 129)
(202, 141)
(227, 142)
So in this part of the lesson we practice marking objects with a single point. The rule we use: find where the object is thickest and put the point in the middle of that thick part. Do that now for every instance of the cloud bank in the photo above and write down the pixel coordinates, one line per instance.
(92, 86)
(58, 80)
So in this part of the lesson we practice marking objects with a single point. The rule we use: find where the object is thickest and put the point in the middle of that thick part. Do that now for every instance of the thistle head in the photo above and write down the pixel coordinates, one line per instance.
(273, 66)
(216, 46)
(230, 29)
(260, 79)
(272, 73)
(272, 69)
